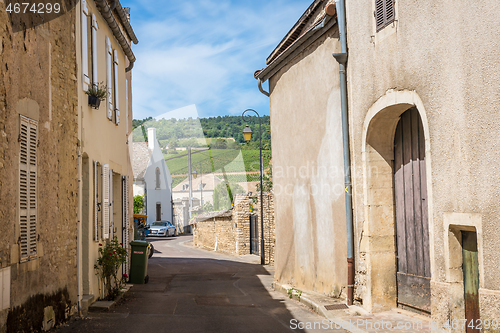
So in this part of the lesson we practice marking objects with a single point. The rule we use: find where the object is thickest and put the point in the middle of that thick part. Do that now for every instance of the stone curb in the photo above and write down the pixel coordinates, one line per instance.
(103, 306)
(313, 302)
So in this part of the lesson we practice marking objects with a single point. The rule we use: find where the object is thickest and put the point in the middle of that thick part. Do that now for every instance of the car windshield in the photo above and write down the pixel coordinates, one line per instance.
(159, 224)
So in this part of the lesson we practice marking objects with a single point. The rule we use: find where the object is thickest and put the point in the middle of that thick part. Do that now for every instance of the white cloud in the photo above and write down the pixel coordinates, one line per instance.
(205, 52)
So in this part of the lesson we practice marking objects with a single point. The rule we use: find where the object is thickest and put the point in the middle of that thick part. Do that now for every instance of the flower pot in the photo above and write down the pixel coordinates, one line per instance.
(94, 102)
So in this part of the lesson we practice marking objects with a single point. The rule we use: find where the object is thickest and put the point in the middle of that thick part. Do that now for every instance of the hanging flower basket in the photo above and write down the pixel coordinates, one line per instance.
(94, 102)
(97, 93)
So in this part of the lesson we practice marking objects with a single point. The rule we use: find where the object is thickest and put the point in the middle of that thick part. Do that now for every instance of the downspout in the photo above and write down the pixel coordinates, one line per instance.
(342, 60)
(79, 240)
(262, 89)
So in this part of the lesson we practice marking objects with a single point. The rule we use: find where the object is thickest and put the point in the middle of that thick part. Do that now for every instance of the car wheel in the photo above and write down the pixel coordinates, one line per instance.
(175, 233)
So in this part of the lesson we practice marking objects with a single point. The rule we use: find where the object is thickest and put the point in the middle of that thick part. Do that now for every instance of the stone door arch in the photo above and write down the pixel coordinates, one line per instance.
(379, 226)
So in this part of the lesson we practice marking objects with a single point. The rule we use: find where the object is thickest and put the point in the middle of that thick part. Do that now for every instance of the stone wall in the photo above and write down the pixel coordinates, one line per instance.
(229, 231)
(38, 80)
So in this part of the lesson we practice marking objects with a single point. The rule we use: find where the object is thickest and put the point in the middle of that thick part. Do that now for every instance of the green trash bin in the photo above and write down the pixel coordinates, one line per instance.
(139, 262)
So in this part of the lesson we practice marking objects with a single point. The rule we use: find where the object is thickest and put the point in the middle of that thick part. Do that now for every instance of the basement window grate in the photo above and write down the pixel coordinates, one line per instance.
(336, 307)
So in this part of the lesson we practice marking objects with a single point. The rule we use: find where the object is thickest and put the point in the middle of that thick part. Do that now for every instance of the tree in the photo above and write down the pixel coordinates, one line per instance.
(138, 203)
(224, 193)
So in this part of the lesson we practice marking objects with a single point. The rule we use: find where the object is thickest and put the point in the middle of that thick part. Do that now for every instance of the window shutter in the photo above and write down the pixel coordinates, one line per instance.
(105, 201)
(28, 138)
(109, 78)
(111, 204)
(384, 13)
(33, 143)
(94, 50)
(96, 202)
(85, 54)
(115, 73)
(125, 225)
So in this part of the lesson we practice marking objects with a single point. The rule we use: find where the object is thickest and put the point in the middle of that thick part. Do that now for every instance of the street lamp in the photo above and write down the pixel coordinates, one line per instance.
(247, 133)
(195, 174)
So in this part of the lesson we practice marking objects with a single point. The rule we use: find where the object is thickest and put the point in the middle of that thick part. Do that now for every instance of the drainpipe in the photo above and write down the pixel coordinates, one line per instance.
(79, 244)
(262, 89)
(342, 60)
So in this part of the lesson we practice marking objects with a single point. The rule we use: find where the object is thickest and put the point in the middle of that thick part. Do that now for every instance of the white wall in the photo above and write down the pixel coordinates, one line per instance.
(163, 194)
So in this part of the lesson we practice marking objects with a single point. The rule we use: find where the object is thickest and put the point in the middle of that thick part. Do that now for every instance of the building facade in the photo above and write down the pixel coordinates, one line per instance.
(152, 179)
(308, 174)
(38, 172)
(422, 94)
(104, 55)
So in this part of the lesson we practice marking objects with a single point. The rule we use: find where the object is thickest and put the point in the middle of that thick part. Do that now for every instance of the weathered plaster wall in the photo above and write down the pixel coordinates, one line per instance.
(446, 55)
(38, 79)
(311, 250)
(104, 141)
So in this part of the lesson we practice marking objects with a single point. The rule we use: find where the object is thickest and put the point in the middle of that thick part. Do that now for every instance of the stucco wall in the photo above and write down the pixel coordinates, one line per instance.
(163, 194)
(311, 250)
(445, 55)
(38, 79)
(104, 141)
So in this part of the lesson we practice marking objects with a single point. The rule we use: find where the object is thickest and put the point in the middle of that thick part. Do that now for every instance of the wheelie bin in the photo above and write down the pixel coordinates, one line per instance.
(139, 262)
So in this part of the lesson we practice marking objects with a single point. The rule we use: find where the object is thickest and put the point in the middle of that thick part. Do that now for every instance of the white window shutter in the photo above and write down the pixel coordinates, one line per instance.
(33, 173)
(109, 78)
(105, 201)
(125, 225)
(115, 73)
(95, 81)
(85, 53)
(111, 204)
(96, 202)
(126, 105)
(28, 171)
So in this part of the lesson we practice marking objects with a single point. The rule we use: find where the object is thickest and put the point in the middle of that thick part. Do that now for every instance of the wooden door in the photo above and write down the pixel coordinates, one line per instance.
(470, 268)
(412, 228)
(254, 234)
(158, 212)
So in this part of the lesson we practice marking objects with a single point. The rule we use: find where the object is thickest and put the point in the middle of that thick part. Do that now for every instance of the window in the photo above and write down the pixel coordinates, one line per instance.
(105, 201)
(384, 13)
(85, 46)
(158, 183)
(28, 138)
(96, 201)
(109, 79)
(115, 76)
(93, 50)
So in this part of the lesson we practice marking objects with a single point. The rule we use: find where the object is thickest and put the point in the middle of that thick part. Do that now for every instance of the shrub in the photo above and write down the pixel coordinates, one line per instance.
(111, 257)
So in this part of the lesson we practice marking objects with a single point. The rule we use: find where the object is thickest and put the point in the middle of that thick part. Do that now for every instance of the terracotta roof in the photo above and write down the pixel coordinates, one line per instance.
(140, 158)
(209, 179)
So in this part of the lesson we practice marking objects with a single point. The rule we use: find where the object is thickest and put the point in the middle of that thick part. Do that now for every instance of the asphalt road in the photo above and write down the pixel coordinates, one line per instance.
(193, 290)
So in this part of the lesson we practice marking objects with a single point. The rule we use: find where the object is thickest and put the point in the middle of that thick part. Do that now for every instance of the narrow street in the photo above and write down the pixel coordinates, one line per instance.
(193, 290)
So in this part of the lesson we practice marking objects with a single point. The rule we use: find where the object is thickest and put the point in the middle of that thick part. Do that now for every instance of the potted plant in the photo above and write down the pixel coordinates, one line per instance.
(97, 93)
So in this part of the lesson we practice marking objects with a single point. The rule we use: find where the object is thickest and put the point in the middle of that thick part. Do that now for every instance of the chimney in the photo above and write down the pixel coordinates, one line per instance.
(151, 138)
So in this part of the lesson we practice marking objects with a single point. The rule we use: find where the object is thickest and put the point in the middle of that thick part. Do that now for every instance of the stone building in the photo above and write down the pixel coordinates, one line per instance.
(422, 97)
(38, 171)
(103, 49)
(308, 174)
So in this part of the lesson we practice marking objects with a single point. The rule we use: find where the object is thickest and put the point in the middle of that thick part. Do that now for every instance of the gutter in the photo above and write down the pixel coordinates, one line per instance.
(110, 19)
(342, 60)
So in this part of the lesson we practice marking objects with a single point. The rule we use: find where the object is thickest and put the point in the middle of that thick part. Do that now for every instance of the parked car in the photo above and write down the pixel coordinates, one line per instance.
(161, 228)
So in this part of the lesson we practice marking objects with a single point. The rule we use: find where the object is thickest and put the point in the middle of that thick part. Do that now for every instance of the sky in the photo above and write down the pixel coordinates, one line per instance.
(205, 52)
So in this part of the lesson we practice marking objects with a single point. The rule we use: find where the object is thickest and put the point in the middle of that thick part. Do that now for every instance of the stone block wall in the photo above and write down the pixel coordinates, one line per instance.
(229, 231)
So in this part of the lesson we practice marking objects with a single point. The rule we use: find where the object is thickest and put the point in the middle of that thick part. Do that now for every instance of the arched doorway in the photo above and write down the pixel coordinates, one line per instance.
(378, 236)
(412, 226)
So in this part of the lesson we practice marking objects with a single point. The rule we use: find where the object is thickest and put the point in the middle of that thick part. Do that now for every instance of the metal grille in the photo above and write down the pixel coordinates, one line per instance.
(336, 307)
